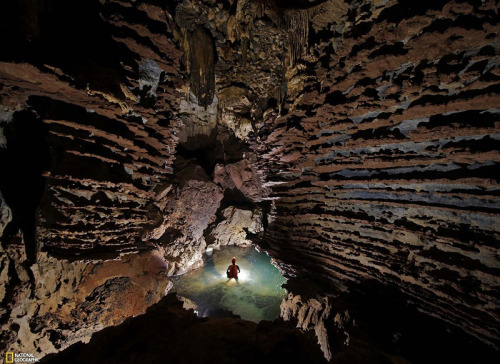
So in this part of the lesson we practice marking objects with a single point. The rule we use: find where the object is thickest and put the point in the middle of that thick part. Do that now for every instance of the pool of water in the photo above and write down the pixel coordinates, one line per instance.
(256, 296)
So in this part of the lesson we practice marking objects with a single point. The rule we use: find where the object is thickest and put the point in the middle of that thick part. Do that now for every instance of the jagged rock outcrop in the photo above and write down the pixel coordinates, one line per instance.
(5, 218)
(243, 177)
(189, 210)
(236, 225)
(58, 302)
(314, 315)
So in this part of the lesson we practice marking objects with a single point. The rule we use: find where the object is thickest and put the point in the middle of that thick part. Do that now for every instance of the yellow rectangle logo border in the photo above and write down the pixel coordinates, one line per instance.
(7, 354)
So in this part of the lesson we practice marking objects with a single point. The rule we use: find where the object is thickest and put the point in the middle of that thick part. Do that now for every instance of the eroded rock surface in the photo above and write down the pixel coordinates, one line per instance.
(384, 165)
(188, 216)
(235, 226)
(311, 315)
(357, 141)
(243, 177)
(87, 140)
(69, 301)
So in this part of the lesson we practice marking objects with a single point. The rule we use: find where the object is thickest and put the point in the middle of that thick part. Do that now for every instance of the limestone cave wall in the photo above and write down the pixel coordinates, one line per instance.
(114, 170)
(87, 134)
(384, 165)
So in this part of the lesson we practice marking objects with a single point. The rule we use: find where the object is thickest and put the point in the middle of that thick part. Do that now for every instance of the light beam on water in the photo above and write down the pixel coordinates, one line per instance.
(256, 296)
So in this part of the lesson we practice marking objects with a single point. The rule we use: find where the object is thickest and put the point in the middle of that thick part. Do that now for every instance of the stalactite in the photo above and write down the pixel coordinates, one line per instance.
(244, 50)
(200, 62)
(297, 27)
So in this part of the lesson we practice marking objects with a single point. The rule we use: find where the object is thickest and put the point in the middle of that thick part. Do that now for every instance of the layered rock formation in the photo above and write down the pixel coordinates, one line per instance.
(356, 141)
(89, 140)
(91, 119)
(387, 155)
(107, 139)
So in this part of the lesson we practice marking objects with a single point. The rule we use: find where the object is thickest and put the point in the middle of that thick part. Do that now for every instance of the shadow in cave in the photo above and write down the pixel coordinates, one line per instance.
(24, 160)
(169, 333)
(199, 156)
(47, 32)
(222, 147)
(391, 322)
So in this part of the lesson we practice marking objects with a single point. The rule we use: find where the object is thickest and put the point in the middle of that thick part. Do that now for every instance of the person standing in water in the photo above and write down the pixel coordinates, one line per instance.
(233, 270)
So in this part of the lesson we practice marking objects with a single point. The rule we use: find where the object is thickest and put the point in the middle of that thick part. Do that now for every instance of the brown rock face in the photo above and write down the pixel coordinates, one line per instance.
(108, 141)
(384, 165)
(242, 177)
(187, 216)
(236, 225)
(355, 141)
(87, 139)
(72, 300)
(311, 315)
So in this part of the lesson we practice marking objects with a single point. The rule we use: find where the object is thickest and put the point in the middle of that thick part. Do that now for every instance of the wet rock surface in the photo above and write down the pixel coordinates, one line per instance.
(255, 296)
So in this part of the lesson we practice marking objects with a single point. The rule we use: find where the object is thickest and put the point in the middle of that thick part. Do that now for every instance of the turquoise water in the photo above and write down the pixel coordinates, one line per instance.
(256, 296)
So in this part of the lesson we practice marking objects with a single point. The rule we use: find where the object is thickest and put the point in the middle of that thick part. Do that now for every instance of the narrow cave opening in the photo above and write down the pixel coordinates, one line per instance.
(255, 295)
(198, 157)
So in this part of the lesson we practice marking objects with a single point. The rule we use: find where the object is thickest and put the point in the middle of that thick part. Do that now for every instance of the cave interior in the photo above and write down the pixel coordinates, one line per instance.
(355, 142)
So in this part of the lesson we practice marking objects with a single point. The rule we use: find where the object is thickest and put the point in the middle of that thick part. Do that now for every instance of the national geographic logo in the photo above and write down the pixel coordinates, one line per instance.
(11, 357)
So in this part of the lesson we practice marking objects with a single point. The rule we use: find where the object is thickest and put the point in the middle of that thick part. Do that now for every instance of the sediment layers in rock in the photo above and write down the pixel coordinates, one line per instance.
(109, 138)
(87, 122)
(385, 164)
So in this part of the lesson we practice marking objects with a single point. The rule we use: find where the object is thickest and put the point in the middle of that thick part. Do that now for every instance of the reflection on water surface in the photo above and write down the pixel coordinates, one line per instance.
(256, 296)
